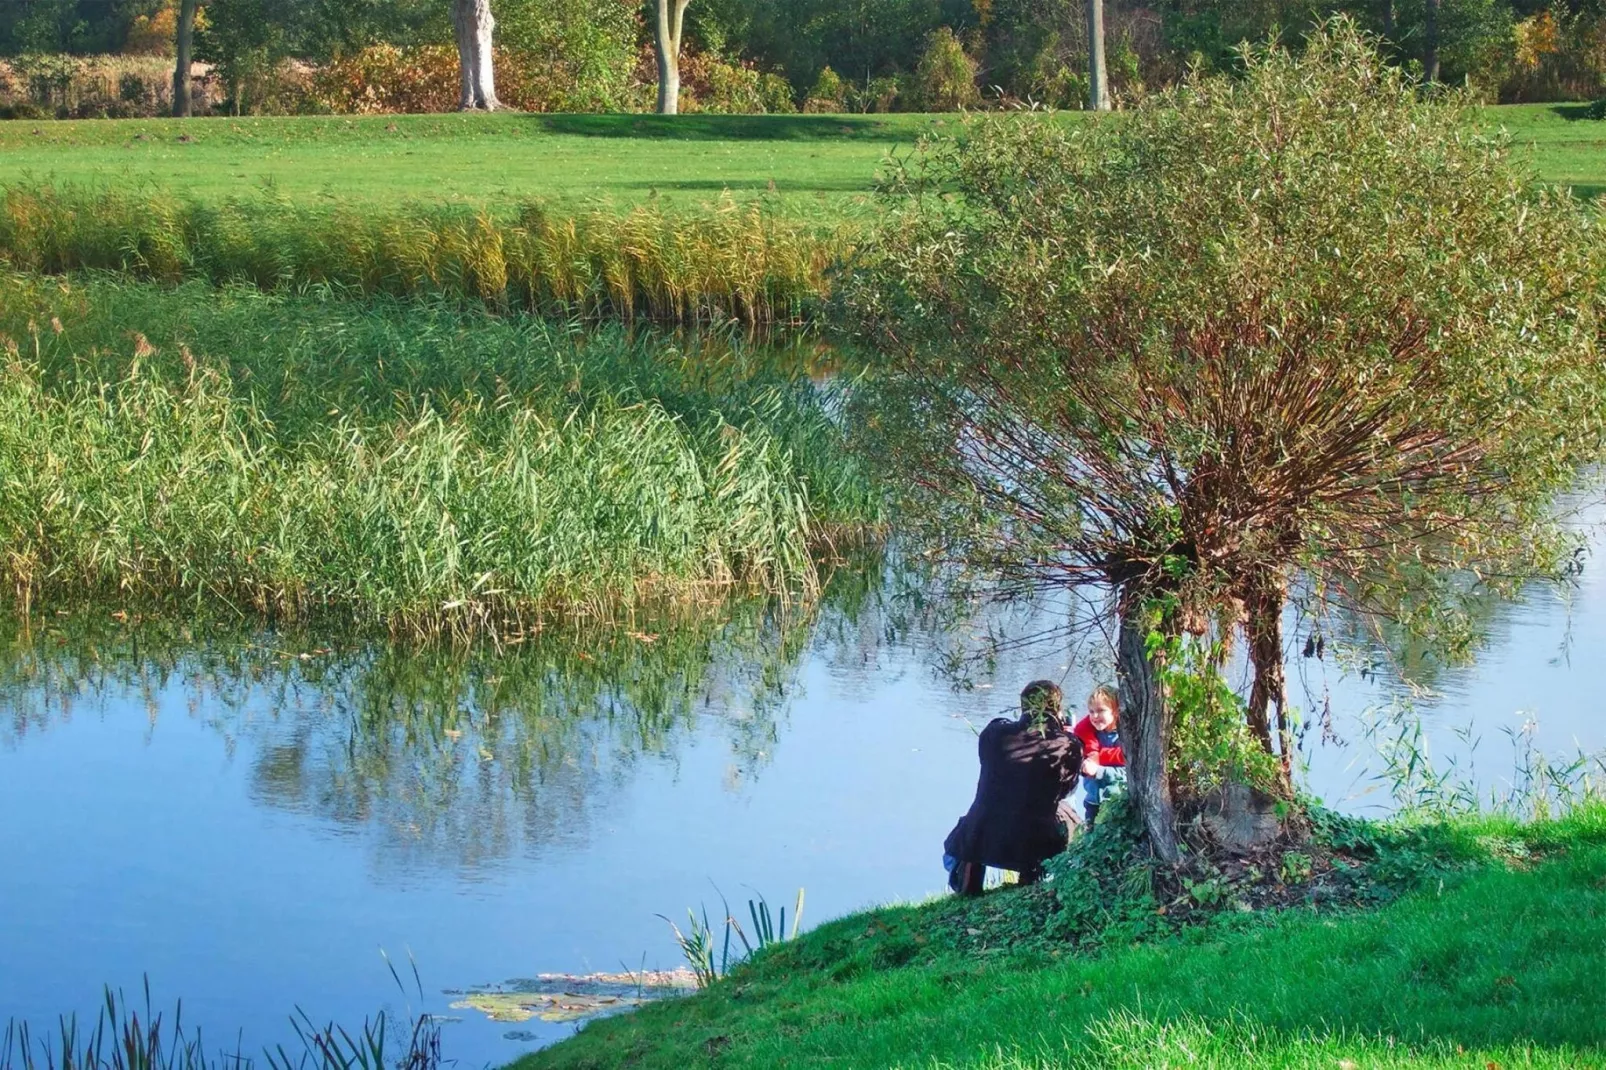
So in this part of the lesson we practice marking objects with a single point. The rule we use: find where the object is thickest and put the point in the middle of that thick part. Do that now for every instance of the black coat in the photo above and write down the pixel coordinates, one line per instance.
(1025, 773)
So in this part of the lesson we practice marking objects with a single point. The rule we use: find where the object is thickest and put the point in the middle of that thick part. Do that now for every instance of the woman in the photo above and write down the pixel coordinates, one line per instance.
(1028, 766)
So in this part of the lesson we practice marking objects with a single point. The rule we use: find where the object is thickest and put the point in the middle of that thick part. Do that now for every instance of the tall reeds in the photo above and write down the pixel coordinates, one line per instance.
(526, 475)
(731, 262)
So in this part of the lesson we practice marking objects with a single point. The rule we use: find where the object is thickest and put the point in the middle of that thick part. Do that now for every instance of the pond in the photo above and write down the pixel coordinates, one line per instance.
(248, 819)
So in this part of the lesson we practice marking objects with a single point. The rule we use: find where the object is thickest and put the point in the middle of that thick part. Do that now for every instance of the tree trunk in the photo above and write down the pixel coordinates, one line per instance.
(1390, 30)
(1264, 627)
(182, 102)
(666, 42)
(1145, 729)
(1098, 76)
(1430, 56)
(475, 28)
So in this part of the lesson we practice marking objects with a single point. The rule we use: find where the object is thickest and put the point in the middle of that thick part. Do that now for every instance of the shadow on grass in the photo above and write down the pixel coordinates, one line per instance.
(729, 127)
(1575, 113)
(749, 185)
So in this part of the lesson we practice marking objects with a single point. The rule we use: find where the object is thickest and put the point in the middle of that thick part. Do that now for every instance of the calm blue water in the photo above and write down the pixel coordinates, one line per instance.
(250, 830)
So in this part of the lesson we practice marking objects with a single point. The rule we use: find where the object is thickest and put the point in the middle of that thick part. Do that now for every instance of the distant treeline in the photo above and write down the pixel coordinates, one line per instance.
(772, 55)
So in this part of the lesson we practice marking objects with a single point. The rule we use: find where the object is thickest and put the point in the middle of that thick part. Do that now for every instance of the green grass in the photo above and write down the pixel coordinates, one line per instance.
(1496, 961)
(801, 165)
(817, 167)
(407, 466)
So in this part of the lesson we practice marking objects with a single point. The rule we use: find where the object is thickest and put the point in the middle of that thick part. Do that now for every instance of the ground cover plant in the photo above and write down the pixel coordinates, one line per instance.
(1483, 952)
(819, 166)
(412, 468)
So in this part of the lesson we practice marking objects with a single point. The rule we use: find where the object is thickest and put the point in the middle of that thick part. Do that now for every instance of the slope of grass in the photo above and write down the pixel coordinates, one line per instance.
(1492, 962)
(819, 167)
(412, 467)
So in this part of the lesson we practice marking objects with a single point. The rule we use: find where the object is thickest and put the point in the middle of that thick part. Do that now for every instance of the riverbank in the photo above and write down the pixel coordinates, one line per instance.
(1485, 951)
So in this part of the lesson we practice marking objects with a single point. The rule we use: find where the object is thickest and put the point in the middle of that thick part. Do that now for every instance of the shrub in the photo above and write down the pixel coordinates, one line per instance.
(711, 84)
(877, 95)
(828, 94)
(945, 77)
(1558, 57)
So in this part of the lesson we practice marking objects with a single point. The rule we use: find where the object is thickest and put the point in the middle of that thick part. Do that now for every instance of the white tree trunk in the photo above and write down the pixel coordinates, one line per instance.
(1098, 75)
(666, 42)
(475, 28)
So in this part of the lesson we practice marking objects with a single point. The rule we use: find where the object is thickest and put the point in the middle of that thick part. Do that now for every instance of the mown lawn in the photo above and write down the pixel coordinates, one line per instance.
(811, 165)
(1498, 966)
(804, 164)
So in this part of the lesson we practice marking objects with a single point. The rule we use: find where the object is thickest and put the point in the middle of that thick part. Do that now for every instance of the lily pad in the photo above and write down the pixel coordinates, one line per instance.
(561, 997)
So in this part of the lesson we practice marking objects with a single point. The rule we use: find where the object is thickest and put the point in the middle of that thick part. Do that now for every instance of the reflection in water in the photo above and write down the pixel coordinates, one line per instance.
(460, 755)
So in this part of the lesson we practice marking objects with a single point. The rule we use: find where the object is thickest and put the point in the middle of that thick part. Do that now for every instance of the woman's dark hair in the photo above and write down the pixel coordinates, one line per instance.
(1043, 698)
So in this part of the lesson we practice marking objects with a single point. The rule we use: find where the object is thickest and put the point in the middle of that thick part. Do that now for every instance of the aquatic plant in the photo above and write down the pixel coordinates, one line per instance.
(123, 1040)
(697, 942)
(734, 262)
(425, 470)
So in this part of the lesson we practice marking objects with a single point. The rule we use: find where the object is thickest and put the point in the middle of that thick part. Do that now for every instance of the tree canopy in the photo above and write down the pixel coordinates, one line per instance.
(1300, 325)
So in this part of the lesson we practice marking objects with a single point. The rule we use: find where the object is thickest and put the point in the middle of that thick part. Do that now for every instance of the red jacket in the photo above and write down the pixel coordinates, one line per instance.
(1091, 748)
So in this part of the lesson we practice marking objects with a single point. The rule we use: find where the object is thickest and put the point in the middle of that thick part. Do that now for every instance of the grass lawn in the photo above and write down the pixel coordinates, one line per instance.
(804, 164)
(1499, 965)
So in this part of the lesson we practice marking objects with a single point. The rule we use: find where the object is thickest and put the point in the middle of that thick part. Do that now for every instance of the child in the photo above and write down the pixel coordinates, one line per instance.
(1103, 763)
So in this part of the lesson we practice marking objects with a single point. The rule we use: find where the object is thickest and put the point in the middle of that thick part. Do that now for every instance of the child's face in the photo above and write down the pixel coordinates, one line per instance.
(1102, 713)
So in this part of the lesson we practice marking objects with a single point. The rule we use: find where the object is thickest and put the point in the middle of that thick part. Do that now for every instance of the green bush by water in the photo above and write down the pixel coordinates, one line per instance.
(726, 262)
(420, 469)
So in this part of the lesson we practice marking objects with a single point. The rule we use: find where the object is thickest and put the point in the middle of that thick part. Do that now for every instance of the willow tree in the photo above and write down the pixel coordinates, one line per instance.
(1298, 323)
(475, 29)
(667, 27)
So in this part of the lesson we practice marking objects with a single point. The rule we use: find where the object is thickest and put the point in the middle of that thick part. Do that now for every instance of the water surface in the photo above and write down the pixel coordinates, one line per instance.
(248, 819)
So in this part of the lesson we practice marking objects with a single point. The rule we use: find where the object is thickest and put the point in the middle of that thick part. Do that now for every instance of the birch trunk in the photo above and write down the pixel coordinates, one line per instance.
(666, 42)
(1145, 730)
(475, 29)
(183, 103)
(1098, 75)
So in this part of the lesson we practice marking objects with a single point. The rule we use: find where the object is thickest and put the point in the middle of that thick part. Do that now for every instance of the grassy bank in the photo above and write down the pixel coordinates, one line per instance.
(410, 467)
(814, 166)
(727, 262)
(1490, 955)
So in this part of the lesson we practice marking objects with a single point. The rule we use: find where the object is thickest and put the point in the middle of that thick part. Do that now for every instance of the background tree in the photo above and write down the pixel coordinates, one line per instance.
(475, 27)
(667, 27)
(1430, 40)
(1289, 325)
(185, 46)
(1098, 77)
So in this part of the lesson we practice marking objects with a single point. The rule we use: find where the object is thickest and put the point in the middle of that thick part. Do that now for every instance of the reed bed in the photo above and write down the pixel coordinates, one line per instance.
(730, 262)
(534, 472)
